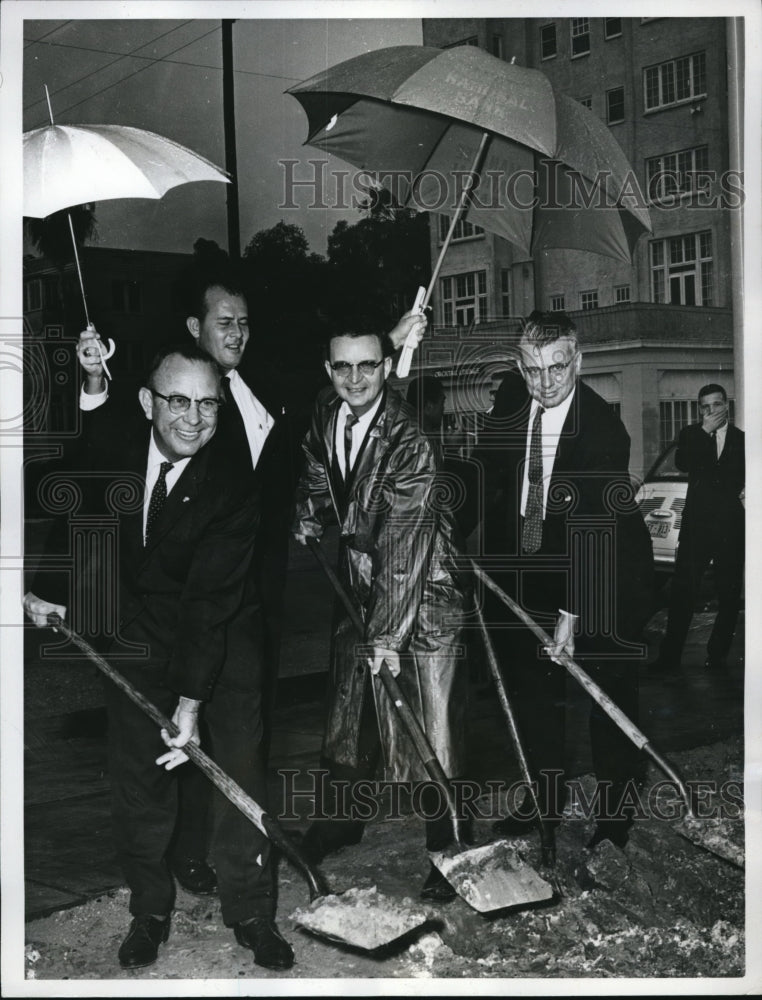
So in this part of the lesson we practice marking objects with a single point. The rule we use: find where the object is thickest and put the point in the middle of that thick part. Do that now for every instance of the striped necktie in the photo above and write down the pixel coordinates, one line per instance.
(532, 532)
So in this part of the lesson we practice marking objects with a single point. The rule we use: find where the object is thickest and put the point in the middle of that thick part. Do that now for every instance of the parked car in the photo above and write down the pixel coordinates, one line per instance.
(661, 500)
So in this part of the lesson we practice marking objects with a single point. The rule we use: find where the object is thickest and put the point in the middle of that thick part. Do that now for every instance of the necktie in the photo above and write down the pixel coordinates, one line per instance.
(158, 497)
(532, 533)
(348, 425)
(716, 443)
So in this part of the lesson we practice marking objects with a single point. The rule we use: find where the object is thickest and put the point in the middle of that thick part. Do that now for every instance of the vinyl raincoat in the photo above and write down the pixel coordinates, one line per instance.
(397, 563)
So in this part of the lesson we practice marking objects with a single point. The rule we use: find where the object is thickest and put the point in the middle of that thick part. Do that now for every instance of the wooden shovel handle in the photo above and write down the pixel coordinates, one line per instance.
(229, 788)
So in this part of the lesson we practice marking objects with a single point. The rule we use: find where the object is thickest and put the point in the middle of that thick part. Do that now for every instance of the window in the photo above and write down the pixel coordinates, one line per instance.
(587, 102)
(612, 27)
(588, 300)
(463, 230)
(557, 303)
(622, 293)
(126, 296)
(548, 41)
(675, 173)
(32, 295)
(464, 298)
(505, 291)
(580, 36)
(674, 81)
(682, 270)
(615, 105)
(496, 46)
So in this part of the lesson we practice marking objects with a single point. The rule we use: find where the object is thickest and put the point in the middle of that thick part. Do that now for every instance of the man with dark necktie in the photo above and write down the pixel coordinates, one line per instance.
(254, 431)
(370, 469)
(562, 536)
(183, 557)
(712, 530)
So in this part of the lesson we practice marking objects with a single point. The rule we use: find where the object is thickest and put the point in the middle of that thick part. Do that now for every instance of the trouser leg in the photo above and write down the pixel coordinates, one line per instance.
(692, 560)
(618, 764)
(240, 852)
(192, 831)
(143, 794)
(728, 575)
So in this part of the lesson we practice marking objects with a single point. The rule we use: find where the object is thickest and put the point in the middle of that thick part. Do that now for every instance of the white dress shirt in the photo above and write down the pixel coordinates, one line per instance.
(719, 437)
(359, 430)
(256, 420)
(155, 458)
(552, 424)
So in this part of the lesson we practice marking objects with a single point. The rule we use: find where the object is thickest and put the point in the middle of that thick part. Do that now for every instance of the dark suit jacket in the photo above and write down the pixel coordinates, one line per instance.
(714, 484)
(178, 593)
(596, 555)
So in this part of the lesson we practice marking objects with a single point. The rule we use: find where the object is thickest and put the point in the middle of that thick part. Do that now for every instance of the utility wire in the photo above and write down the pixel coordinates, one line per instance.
(121, 55)
(123, 79)
(175, 62)
(33, 41)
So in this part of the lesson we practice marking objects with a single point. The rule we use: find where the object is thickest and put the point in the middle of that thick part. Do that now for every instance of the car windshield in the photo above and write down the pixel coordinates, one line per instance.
(665, 468)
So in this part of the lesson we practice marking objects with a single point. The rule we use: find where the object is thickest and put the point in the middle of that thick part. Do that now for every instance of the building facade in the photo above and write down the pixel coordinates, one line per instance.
(654, 330)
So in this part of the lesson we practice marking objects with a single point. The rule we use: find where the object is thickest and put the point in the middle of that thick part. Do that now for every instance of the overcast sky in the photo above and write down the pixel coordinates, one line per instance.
(166, 76)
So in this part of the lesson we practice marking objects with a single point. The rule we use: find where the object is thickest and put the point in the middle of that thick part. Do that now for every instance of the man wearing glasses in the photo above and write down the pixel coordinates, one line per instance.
(184, 551)
(370, 469)
(565, 540)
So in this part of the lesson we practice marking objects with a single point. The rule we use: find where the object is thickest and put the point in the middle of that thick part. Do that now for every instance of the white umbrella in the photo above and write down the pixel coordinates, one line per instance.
(66, 165)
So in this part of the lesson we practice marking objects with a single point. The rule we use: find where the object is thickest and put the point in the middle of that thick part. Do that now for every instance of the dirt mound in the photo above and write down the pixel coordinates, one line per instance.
(661, 907)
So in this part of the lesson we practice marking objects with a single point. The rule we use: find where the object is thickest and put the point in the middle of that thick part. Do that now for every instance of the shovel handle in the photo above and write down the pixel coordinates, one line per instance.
(613, 711)
(424, 749)
(314, 546)
(546, 839)
(229, 788)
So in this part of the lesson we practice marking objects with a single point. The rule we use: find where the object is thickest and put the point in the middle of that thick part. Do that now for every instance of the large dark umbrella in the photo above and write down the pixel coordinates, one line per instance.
(545, 172)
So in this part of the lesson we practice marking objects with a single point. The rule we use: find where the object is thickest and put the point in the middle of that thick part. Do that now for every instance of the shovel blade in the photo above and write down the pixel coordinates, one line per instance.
(362, 918)
(492, 877)
(721, 837)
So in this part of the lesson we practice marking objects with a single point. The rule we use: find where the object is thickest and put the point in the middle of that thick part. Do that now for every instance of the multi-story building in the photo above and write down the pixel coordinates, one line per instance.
(654, 330)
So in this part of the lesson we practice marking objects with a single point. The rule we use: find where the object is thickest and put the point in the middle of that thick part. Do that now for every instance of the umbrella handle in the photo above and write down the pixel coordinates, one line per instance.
(403, 365)
(406, 357)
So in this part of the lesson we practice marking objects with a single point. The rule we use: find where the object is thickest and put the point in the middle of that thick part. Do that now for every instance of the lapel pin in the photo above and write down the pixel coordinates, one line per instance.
(186, 499)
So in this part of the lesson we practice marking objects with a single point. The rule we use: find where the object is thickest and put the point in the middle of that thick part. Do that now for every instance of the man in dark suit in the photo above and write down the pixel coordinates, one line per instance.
(562, 535)
(184, 596)
(712, 529)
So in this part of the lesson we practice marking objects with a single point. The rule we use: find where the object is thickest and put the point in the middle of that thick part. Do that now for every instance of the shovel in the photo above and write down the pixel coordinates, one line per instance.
(363, 918)
(490, 877)
(712, 835)
(547, 838)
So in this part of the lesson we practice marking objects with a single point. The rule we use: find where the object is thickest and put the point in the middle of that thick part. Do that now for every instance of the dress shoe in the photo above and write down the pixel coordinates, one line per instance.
(436, 888)
(141, 946)
(194, 875)
(326, 837)
(617, 831)
(262, 936)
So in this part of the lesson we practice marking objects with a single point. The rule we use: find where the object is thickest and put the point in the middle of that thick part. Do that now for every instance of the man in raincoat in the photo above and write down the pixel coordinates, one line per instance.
(370, 469)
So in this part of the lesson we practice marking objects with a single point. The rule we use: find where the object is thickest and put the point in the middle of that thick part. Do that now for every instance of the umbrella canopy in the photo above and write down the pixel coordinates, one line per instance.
(553, 176)
(67, 165)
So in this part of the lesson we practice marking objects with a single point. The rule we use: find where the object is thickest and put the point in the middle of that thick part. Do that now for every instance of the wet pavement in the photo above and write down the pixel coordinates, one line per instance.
(69, 858)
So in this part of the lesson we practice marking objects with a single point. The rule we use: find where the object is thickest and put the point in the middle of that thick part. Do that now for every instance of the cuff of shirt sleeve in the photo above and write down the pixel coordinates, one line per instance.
(91, 401)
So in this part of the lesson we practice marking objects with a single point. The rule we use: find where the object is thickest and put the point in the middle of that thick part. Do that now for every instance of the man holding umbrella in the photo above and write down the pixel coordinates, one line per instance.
(370, 469)
(183, 554)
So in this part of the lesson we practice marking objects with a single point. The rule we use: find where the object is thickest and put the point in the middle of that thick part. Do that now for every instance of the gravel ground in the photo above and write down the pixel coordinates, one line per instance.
(662, 907)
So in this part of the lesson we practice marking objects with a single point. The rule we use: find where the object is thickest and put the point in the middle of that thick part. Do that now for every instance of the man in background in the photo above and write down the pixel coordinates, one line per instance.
(712, 530)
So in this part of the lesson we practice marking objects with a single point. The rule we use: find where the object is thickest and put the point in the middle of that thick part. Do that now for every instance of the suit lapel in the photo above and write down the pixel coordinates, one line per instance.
(180, 500)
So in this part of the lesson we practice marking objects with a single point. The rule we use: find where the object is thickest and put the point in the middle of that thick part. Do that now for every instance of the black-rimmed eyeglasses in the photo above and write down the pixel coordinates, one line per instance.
(178, 404)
